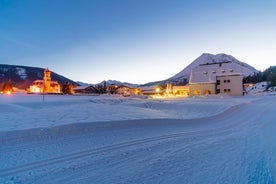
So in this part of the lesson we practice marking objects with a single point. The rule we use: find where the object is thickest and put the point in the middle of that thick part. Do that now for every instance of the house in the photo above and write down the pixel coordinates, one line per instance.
(152, 90)
(172, 90)
(87, 89)
(180, 90)
(126, 90)
(215, 78)
(46, 85)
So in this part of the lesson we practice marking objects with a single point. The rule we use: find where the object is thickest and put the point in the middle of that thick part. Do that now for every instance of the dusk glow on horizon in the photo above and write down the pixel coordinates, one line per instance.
(134, 41)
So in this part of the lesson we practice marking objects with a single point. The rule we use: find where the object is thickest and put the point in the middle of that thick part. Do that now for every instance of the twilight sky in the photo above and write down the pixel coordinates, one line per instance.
(135, 41)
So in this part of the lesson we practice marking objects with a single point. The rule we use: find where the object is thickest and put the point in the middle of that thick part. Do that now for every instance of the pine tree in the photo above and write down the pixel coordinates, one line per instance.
(67, 88)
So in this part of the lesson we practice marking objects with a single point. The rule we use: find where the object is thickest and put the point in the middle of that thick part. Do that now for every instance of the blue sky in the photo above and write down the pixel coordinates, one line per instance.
(135, 41)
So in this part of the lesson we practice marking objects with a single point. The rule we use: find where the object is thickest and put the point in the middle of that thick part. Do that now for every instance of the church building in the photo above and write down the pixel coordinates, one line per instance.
(46, 85)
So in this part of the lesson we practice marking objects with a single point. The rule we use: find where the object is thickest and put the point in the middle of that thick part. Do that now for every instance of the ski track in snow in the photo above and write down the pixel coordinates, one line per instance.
(236, 146)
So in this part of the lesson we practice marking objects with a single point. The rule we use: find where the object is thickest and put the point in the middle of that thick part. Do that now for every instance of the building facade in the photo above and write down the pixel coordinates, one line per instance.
(230, 84)
(216, 78)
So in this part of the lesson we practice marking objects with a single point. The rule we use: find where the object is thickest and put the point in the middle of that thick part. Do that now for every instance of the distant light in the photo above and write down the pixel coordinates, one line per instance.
(157, 89)
(8, 92)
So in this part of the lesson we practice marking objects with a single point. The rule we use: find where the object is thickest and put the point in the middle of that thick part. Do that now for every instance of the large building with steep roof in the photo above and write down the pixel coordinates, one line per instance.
(216, 78)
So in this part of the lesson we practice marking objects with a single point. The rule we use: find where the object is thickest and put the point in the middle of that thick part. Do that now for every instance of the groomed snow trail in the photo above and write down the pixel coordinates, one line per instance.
(237, 146)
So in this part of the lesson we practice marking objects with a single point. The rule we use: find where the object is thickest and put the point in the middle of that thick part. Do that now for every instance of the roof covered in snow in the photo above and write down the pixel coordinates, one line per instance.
(207, 73)
(211, 59)
(83, 87)
(149, 88)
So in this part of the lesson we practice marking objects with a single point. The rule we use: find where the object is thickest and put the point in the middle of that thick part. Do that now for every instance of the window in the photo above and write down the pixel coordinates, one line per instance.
(228, 81)
(224, 81)
(218, 91)
(227, 90)
(218, 82)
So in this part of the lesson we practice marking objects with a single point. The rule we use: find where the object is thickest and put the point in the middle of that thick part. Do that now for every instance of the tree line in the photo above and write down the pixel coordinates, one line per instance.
(268, 75)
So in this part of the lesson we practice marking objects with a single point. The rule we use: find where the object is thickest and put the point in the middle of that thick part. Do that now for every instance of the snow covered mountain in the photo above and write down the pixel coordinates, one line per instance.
(209, 59)
(22, 76)
(118, 83)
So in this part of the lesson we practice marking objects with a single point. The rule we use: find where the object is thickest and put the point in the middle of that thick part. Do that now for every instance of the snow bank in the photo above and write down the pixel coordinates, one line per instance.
(257, 88)
(32, 111)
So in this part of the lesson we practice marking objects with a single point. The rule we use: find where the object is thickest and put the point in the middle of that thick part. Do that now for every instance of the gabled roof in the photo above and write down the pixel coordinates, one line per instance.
(124, 86)
(207, 73)
(83, 87)
(149, 88)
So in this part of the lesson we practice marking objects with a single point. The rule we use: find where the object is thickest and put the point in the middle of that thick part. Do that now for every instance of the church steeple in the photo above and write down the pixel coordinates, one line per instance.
(47, 81)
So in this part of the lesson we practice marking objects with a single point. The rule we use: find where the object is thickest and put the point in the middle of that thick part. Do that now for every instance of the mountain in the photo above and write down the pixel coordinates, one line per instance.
(209, 59)
(183, 76)
(118, 83)
(23, 76)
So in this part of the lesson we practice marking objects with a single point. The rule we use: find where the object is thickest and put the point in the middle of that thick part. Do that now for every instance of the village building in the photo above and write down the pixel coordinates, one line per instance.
(181, 90)
(152, 90)
(87, 89)
(172, 90)
(216, 78)
(46, 85)
(126, 90)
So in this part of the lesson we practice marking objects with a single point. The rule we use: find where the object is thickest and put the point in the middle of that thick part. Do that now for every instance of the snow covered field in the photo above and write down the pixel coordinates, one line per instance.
(105, 139)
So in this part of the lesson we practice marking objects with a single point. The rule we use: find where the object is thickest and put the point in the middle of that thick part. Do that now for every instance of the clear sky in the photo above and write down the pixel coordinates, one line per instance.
(135, 41)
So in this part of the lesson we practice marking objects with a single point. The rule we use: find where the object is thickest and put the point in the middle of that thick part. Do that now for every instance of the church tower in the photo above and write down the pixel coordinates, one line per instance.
(47, 81)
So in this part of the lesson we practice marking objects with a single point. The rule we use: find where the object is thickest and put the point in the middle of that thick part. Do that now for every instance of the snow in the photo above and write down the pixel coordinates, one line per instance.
(257, 88)
(209, 73)
(21, 72)
(210, 58)
(48, 111)
(110, 139)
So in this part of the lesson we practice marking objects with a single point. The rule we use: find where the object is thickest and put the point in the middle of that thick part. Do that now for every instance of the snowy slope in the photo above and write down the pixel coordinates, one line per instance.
(257, 88)
(21, 72)
(235, 146)
(210, 58)
(58, 110)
